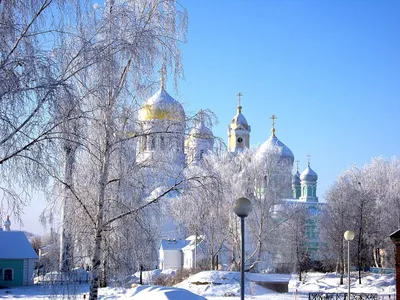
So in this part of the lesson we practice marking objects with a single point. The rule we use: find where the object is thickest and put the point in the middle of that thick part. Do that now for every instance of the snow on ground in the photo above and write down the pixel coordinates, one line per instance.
(148, 277)
(213, 285)
(147, 292)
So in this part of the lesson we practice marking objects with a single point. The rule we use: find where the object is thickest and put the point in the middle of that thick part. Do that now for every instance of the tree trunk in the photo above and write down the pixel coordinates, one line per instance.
(65, 236)
(94, 284)
(96, 259)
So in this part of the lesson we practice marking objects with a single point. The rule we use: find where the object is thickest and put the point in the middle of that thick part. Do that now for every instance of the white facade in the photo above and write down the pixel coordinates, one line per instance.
(178, 254)
(171, 255)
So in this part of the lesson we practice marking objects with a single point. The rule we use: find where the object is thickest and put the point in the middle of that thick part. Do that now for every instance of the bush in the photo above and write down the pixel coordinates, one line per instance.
(171, 280)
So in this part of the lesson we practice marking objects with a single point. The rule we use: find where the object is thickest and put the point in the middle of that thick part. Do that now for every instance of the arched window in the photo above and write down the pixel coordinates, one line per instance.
(201, 153)
(143, 143)
(8, 274)
(162, 143)
(309, 191)
(152, 142)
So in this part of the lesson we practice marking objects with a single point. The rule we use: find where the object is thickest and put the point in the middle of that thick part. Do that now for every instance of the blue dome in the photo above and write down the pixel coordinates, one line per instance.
(308, 175)
(296, 178)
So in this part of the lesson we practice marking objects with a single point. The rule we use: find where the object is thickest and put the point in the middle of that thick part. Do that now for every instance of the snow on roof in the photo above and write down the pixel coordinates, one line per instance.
(191, 240)
(173, 244)
(15, 245)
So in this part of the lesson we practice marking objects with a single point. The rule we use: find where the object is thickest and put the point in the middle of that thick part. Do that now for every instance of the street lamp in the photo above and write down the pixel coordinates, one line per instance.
(242, 208)
(348, 236)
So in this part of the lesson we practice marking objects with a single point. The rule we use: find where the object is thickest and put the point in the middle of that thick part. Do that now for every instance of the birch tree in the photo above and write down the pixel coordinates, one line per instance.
(32, 82)
(270, 177)
(336, 220)
(129, 39)
(364, 200)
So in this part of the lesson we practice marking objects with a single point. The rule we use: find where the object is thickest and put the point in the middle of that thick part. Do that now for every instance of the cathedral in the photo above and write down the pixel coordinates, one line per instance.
(163, 120)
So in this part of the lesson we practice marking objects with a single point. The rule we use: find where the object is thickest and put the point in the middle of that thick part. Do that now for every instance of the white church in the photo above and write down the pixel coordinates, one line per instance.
(163, 120)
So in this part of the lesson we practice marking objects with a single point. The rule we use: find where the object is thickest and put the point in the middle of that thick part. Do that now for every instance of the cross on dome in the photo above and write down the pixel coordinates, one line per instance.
(201, 116)
(308, 158)
(273, 118)
(240, 102)
(297, 164)
(162, 78)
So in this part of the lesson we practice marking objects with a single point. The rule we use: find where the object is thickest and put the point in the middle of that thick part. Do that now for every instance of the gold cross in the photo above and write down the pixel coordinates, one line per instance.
(201, 115)
(240, 98)
(308, 158)
(162, 74)
(273, 118)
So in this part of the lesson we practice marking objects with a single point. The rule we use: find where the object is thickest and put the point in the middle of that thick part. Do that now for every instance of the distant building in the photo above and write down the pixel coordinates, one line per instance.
(178, 254)
(17, 258)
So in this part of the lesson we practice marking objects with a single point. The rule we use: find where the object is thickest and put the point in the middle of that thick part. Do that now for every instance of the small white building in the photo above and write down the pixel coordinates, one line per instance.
(171, 255)
(178, 254)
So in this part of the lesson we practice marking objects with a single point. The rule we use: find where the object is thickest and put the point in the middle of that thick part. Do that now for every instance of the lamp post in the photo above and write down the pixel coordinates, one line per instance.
(348, 236)
(242, 208)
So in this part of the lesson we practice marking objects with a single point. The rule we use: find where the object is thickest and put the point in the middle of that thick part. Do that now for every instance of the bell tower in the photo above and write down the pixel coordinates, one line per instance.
(239, 130)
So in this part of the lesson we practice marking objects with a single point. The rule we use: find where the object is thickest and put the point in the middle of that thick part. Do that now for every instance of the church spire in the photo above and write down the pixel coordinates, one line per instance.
(239, 102)
(238, 130)
(308, 159)
(162, 78)
(297, 165)
(273, 118)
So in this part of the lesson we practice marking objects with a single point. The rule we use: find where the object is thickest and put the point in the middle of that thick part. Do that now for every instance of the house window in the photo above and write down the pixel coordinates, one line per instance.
(8, 274)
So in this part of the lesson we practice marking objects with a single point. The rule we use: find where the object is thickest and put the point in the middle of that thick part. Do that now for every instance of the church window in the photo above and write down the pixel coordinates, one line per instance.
(162, 142)
(8, 274)
(240, 139)
(143, 142)
(152, 143)
(309, 191)
(201, 153)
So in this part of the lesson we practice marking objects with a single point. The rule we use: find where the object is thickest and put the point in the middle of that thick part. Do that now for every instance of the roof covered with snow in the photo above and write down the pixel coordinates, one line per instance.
(173, 244)
(296, 178)
(161, 106)
(308, 175)
(15, 245)
(274, 143)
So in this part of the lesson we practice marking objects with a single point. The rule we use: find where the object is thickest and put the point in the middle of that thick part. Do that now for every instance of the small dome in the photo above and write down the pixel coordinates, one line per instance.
(161, 106)
(296, 178)
(239, 119)
(200, 132)
(308, 175)
(274, 142)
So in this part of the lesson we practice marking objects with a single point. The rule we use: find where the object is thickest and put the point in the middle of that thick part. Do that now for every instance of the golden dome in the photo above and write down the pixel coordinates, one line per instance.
(161, 106)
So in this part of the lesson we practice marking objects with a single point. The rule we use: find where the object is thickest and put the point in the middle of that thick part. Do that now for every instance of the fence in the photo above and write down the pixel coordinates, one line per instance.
(342, 296)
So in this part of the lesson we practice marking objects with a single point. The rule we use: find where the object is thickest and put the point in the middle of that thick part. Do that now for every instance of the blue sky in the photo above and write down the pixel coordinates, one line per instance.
(330, 71)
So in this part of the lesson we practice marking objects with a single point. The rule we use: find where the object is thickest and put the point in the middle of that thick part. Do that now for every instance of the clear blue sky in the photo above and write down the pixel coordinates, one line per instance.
(330, 71)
